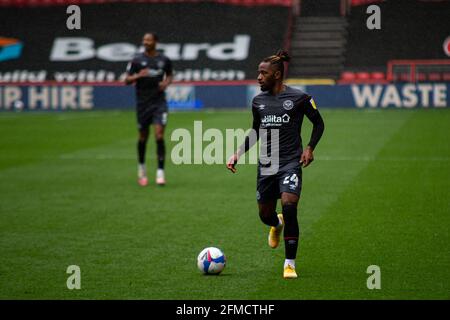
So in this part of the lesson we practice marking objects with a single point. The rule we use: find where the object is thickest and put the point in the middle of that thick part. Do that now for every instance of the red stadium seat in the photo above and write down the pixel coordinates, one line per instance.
(421, 77)
(446, 76)
(378, 76)
(404, 77)
(362, 75)
(363, 2)
(434, 76)
(348, 76)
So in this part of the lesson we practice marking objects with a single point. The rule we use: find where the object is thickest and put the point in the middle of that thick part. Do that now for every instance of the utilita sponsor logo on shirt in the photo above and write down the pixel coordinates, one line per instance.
(273, 120)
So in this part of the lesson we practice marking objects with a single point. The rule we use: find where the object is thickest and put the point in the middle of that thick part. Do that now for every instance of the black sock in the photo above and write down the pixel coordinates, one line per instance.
(161, 152)
(141, 146)
(271, 220)
(291, 230)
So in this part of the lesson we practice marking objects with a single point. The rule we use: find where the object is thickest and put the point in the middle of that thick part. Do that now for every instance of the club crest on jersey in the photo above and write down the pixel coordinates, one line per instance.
(160, 64)
(288, 104)
(143, 63)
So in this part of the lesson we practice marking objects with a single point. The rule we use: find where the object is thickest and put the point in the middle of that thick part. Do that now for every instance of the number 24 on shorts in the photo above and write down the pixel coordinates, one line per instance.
(293, 178)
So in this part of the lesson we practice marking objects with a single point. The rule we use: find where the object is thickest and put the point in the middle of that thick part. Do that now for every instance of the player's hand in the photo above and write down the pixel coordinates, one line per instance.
(307, 157)
(143, 73)
(231, 163)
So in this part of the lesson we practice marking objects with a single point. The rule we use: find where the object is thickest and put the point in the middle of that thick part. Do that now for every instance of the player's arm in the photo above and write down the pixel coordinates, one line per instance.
(133, 75)
(166, 82)
(168, 78)
(314, 116)
(249, 141)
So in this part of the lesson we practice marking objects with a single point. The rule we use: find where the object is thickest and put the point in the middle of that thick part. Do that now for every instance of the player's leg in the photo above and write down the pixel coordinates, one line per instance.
(144, 118)
(141, 148)
(267, 195)
(290, 184)
(160, 121)
(289, 203)
(160, 153)
(269, 216)
(267, 213)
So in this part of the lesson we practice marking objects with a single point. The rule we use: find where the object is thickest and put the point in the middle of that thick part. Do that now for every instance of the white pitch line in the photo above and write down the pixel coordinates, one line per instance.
(318, 158)
(97, 157)
(86, 116)
(106, 156)
(392, 159)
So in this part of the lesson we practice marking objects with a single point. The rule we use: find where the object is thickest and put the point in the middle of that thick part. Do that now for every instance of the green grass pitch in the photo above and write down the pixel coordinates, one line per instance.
(377, 194)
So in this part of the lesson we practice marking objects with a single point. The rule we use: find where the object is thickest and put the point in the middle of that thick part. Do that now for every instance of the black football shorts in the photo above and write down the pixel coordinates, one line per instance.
(155, 113)
(288, 178)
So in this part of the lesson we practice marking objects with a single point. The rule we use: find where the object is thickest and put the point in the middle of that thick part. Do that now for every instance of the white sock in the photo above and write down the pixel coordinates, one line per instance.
(280, 222)
(289, 261)
(141, 169)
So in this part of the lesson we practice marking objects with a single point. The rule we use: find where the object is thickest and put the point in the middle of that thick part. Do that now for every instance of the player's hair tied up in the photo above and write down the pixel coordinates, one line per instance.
(278, 60)
(283, 55)
(279, 57)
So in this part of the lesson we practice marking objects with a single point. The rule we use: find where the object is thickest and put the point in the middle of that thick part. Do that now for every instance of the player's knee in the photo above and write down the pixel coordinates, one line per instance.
(265, 216)
(143, 136)
(159, 133)
(289, 204)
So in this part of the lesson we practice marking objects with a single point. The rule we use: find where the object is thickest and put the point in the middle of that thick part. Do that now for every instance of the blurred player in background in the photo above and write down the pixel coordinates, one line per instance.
(282, 108)
(152, 73)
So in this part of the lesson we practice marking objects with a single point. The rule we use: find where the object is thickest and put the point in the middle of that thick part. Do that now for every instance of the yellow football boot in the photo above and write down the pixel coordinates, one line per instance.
(289, 272)
(275, 233)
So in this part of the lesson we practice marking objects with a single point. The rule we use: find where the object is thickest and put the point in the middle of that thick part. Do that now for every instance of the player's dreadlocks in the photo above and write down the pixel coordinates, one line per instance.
(278, 60)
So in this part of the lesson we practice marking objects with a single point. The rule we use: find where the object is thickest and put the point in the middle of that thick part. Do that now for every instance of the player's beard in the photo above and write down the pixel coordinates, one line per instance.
(267, 85)
(150, 48)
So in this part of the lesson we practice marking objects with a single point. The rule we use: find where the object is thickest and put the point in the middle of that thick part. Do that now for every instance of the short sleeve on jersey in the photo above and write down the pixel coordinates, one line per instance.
(131, 67)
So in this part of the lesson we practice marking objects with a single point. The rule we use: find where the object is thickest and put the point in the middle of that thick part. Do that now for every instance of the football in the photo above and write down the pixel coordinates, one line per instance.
(211, 260)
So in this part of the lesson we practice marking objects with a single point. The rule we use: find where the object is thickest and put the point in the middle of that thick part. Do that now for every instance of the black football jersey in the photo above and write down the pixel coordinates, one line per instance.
(147, 87)
(284, 112)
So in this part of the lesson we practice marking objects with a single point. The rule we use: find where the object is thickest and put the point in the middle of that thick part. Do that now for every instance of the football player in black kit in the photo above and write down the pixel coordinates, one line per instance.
(278, 111)
(152, 73)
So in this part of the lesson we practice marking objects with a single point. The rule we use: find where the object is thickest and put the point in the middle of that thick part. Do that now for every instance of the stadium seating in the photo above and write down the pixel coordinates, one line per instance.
(328, 42)
(364, 2)
(362, 77)
(331, 43)
(77, 2)
(208, 51)
(372, 50)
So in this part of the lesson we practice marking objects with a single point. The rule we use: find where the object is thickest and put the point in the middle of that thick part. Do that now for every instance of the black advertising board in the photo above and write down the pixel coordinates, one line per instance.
(206, 41)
